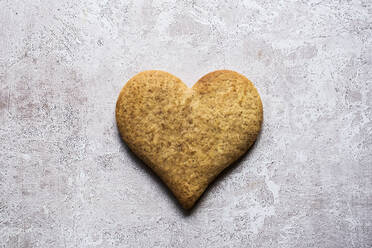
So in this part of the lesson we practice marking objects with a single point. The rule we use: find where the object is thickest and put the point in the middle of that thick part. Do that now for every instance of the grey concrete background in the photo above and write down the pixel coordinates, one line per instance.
(67, 180)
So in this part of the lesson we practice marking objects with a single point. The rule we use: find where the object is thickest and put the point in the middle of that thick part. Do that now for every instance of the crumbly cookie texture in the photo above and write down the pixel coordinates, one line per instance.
(188, 136)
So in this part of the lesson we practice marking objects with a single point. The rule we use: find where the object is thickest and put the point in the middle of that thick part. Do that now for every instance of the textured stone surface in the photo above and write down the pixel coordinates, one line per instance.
(67, 180)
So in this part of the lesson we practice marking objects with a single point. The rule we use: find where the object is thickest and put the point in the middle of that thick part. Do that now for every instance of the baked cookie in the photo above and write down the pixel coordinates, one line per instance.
(188, 136)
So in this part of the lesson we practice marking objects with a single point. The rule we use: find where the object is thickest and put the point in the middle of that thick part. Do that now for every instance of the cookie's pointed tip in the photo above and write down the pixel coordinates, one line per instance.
(187, 205)
(189, 201)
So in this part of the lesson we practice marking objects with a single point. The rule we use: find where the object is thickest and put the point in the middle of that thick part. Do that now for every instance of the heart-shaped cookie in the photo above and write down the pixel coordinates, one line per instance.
(188, 136)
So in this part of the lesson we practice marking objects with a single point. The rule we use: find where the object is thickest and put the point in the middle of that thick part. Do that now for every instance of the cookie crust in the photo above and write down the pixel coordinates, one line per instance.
(187, 136)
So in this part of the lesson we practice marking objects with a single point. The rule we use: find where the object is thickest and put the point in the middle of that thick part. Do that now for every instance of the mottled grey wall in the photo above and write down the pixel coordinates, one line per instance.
(67, 180)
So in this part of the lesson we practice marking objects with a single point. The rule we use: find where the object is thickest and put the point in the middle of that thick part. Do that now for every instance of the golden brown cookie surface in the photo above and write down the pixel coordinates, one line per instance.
(188, 136)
